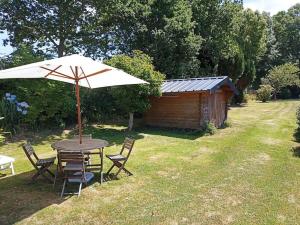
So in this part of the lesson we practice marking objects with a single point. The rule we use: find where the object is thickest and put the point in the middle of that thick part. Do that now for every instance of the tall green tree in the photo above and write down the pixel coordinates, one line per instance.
(56, 27)
(270, 58)
(252, 42)
(163, 29)
(135, 98)
(286, 29)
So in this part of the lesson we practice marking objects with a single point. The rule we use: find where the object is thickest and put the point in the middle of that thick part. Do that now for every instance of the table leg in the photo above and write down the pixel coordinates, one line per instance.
(12, 168)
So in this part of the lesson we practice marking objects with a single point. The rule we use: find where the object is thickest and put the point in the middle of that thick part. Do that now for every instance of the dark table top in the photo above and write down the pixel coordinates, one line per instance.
(73, 144)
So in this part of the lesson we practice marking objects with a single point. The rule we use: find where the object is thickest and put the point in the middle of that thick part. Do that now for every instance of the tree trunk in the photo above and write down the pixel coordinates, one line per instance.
(275, 93)
(130, 122)
(61, 49)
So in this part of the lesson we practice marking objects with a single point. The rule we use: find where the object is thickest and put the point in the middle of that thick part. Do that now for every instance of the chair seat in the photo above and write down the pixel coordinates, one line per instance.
(42, 162)
(117, 157)
(88, 177)
(73, 166)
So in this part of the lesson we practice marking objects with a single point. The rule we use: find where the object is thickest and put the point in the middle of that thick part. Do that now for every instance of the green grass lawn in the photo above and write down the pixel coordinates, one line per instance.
(245, 174)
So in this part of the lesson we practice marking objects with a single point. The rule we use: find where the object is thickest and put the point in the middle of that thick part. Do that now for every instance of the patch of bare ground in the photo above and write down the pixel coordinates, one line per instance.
(201, 151)
(281, 218)
(271, 123)
(159, 157)
(270, 141)
(261, 158)
(169, 172)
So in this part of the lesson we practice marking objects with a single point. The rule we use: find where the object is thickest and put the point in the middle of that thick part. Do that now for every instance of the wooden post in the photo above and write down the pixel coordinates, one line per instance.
(78, 105)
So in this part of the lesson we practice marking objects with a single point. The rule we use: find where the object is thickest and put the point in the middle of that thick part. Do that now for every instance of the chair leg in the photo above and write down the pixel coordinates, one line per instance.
(49, 172)
(79, 191)
(43, 171)
(110, 169)
(35, 176)
(101, 177)
(63, 189)
(127, 171)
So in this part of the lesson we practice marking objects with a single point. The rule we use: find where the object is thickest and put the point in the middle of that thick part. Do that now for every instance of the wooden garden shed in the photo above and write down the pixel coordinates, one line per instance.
(189, 103)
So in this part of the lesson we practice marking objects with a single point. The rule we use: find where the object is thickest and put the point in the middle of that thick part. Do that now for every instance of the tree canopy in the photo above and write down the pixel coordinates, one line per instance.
(135, 99)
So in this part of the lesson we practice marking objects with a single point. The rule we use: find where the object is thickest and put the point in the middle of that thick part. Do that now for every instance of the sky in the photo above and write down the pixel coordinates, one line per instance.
(272, 6)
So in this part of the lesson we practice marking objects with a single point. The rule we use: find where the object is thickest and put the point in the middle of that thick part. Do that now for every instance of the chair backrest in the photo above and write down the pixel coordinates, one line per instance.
(30, 153)
(127, 147)
(71, 164)
(84, 137)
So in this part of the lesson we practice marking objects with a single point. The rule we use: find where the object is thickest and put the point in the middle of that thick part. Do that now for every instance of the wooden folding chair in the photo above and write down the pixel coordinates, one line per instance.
(88, 157)
(41, 165)
(119, 160)
(72, 165)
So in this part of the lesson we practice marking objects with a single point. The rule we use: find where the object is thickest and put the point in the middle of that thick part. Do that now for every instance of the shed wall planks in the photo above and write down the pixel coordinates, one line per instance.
(188, 110)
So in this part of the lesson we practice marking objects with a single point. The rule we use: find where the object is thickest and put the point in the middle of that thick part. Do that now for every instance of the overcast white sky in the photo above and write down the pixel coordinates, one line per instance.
(272, 6)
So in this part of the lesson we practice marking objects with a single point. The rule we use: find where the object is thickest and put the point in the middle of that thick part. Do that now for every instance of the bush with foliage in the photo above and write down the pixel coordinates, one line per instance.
(297, 131)
(264, 93)
(12, 112)
(135, 98)
(209, 128)
(281, 77)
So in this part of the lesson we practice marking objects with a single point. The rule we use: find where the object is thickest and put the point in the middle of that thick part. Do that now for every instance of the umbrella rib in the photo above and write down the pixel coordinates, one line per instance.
(96, 73)
(58, 73)
(72, 71)
(51, 71)
(85, 77)
(63, 76)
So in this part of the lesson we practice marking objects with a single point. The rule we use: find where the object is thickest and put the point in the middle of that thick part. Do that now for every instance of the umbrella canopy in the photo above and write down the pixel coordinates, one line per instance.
(74, 69)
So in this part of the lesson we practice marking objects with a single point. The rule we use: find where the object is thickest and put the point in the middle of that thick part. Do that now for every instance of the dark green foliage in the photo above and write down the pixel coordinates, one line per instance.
(52, 26)
(285, 93)
(11, 117)
(162, 29)
(297, 131)
(209, 128)
(286, 30)
(98, 105)
(135, 98)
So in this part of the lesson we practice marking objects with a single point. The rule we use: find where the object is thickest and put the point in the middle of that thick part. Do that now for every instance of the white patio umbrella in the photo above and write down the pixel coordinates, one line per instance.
(74, 69)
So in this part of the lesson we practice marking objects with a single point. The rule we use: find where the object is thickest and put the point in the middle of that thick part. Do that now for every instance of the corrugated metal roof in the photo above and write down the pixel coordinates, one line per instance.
(196, 84)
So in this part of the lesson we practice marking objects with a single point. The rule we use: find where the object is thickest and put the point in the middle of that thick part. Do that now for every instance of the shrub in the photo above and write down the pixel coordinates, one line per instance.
(285, 93)
(226, 123)
(264, 93)
(209, 128)
(282, 76)
(12, 112)
(297, 131)
(298, 116)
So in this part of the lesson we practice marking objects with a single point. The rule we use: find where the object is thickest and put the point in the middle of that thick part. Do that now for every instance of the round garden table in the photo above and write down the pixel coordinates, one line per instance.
(88, 147)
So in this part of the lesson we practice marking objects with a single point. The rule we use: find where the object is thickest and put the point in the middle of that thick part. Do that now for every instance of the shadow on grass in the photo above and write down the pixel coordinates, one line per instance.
(297, 135)
(20, 199)
(172, 132)
(114, 135)
(117, 135)
(296, 151)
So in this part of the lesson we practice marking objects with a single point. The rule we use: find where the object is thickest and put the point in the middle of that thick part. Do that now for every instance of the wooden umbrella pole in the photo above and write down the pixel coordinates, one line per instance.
(78, 105)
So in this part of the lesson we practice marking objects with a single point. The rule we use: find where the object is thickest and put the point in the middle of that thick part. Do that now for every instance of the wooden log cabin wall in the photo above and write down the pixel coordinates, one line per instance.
(189, 103)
